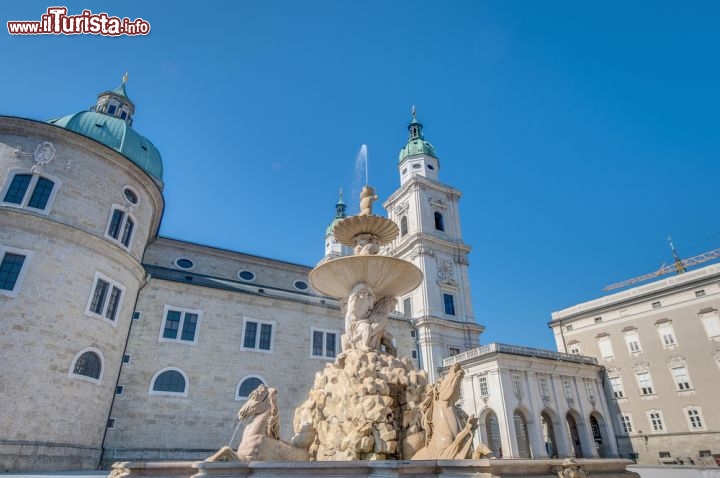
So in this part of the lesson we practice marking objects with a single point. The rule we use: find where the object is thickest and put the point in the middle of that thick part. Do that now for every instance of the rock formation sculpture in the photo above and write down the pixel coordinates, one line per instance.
(367, 404)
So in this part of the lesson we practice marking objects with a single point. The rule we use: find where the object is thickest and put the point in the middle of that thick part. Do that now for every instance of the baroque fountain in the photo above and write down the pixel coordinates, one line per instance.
(370, 413)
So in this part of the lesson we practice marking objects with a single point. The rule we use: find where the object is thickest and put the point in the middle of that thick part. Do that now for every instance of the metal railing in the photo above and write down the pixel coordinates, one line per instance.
(494, 348)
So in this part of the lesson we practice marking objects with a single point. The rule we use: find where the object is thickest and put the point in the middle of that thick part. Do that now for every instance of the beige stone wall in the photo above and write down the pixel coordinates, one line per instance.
(49, 418)
(227, 264)
(675, 300)
(188, 427)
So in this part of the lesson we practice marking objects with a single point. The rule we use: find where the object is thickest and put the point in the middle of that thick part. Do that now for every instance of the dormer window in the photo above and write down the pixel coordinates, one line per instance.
(123, 115)
(111, 109)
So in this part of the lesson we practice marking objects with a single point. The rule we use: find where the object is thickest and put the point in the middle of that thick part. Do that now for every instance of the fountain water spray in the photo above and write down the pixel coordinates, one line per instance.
(360, 161)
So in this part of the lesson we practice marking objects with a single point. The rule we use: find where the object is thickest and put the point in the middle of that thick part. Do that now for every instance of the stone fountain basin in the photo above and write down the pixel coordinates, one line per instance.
(386, 276)
(382, 228)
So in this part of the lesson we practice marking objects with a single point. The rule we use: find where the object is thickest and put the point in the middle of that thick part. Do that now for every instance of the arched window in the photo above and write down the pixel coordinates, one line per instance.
(169, 382)
(89, 365)
(247, 386)
(403, 226)
(492, 434)
(439, 222)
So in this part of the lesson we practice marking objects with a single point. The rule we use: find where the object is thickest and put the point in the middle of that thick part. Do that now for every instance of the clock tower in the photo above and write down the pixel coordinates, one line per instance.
(426, 211)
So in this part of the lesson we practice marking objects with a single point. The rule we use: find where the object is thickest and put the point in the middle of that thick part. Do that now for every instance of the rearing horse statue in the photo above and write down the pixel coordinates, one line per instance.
(444, 438)
(260, 439)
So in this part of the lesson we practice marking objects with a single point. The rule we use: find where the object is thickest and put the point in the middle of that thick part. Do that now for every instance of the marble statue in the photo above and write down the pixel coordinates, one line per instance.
(367, 198)
(366, 321)
(444, 438)
(260, 439)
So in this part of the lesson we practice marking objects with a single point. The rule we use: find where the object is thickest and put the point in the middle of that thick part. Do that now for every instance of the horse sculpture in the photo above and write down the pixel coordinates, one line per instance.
(444, 439)
(260, 439)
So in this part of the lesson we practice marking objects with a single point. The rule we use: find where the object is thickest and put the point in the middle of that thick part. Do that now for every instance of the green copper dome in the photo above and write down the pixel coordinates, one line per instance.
(116, 134)
(339, 216)
(416, 142)
(109, 123)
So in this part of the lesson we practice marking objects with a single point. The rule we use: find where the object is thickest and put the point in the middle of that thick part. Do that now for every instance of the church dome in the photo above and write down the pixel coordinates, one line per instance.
(109, 123)
(416, 142)
(339, 216)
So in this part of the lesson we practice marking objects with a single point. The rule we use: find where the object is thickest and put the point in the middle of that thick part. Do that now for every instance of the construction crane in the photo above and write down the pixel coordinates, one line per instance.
(678, 266)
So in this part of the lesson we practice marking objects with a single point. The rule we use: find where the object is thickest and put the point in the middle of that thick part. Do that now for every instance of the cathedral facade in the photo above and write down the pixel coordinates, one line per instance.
(119, 344)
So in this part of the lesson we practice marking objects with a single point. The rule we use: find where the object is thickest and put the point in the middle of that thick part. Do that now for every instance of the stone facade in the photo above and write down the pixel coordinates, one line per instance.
(534, 403)
(428, 216)
(159, 426)
(58, 417)
(660, 346)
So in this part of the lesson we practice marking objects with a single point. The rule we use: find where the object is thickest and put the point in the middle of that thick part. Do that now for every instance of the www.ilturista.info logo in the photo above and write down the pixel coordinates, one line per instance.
(57, 22)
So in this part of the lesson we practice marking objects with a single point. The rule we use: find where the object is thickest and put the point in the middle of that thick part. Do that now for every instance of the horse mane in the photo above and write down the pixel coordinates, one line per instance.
(426, 410)
(273, 426)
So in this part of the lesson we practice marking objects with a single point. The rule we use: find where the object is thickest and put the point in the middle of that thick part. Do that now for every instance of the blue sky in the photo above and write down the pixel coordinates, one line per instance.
(582, 134)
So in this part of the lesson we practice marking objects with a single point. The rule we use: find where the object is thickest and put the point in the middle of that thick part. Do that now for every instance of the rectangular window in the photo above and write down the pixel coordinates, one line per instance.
(120, 227)
(656, 421)
(407, 308)
(569, 327)
(126, 358)
(119, 389)
(18, 188)
(105, 299)
(179, 325)
(324, 343)
(704, 453)
(667, 335)
(484, 390)
(645, 383)
(127, 232)
(12, 262)
(656, 305)
(682, 381)
(598, 320)
(453, 351)
(544, 386)
(711, 323)
(257, 335)
(606, 348)
(414, 354)
(449, 302)
(700, 293)
(633, 342)
(111, 423)
(29, 190)
(625, 423)
(136, 315)
(265, 336)
(694, 419)
(617, 387)
(664, 454)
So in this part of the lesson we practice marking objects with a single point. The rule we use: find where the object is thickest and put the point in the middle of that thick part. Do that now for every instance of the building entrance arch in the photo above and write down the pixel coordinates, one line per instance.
(574, 435)
(522, 438)
(549, 436)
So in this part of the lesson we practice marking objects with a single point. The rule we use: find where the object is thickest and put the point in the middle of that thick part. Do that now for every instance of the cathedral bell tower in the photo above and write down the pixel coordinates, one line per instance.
(426, 211)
